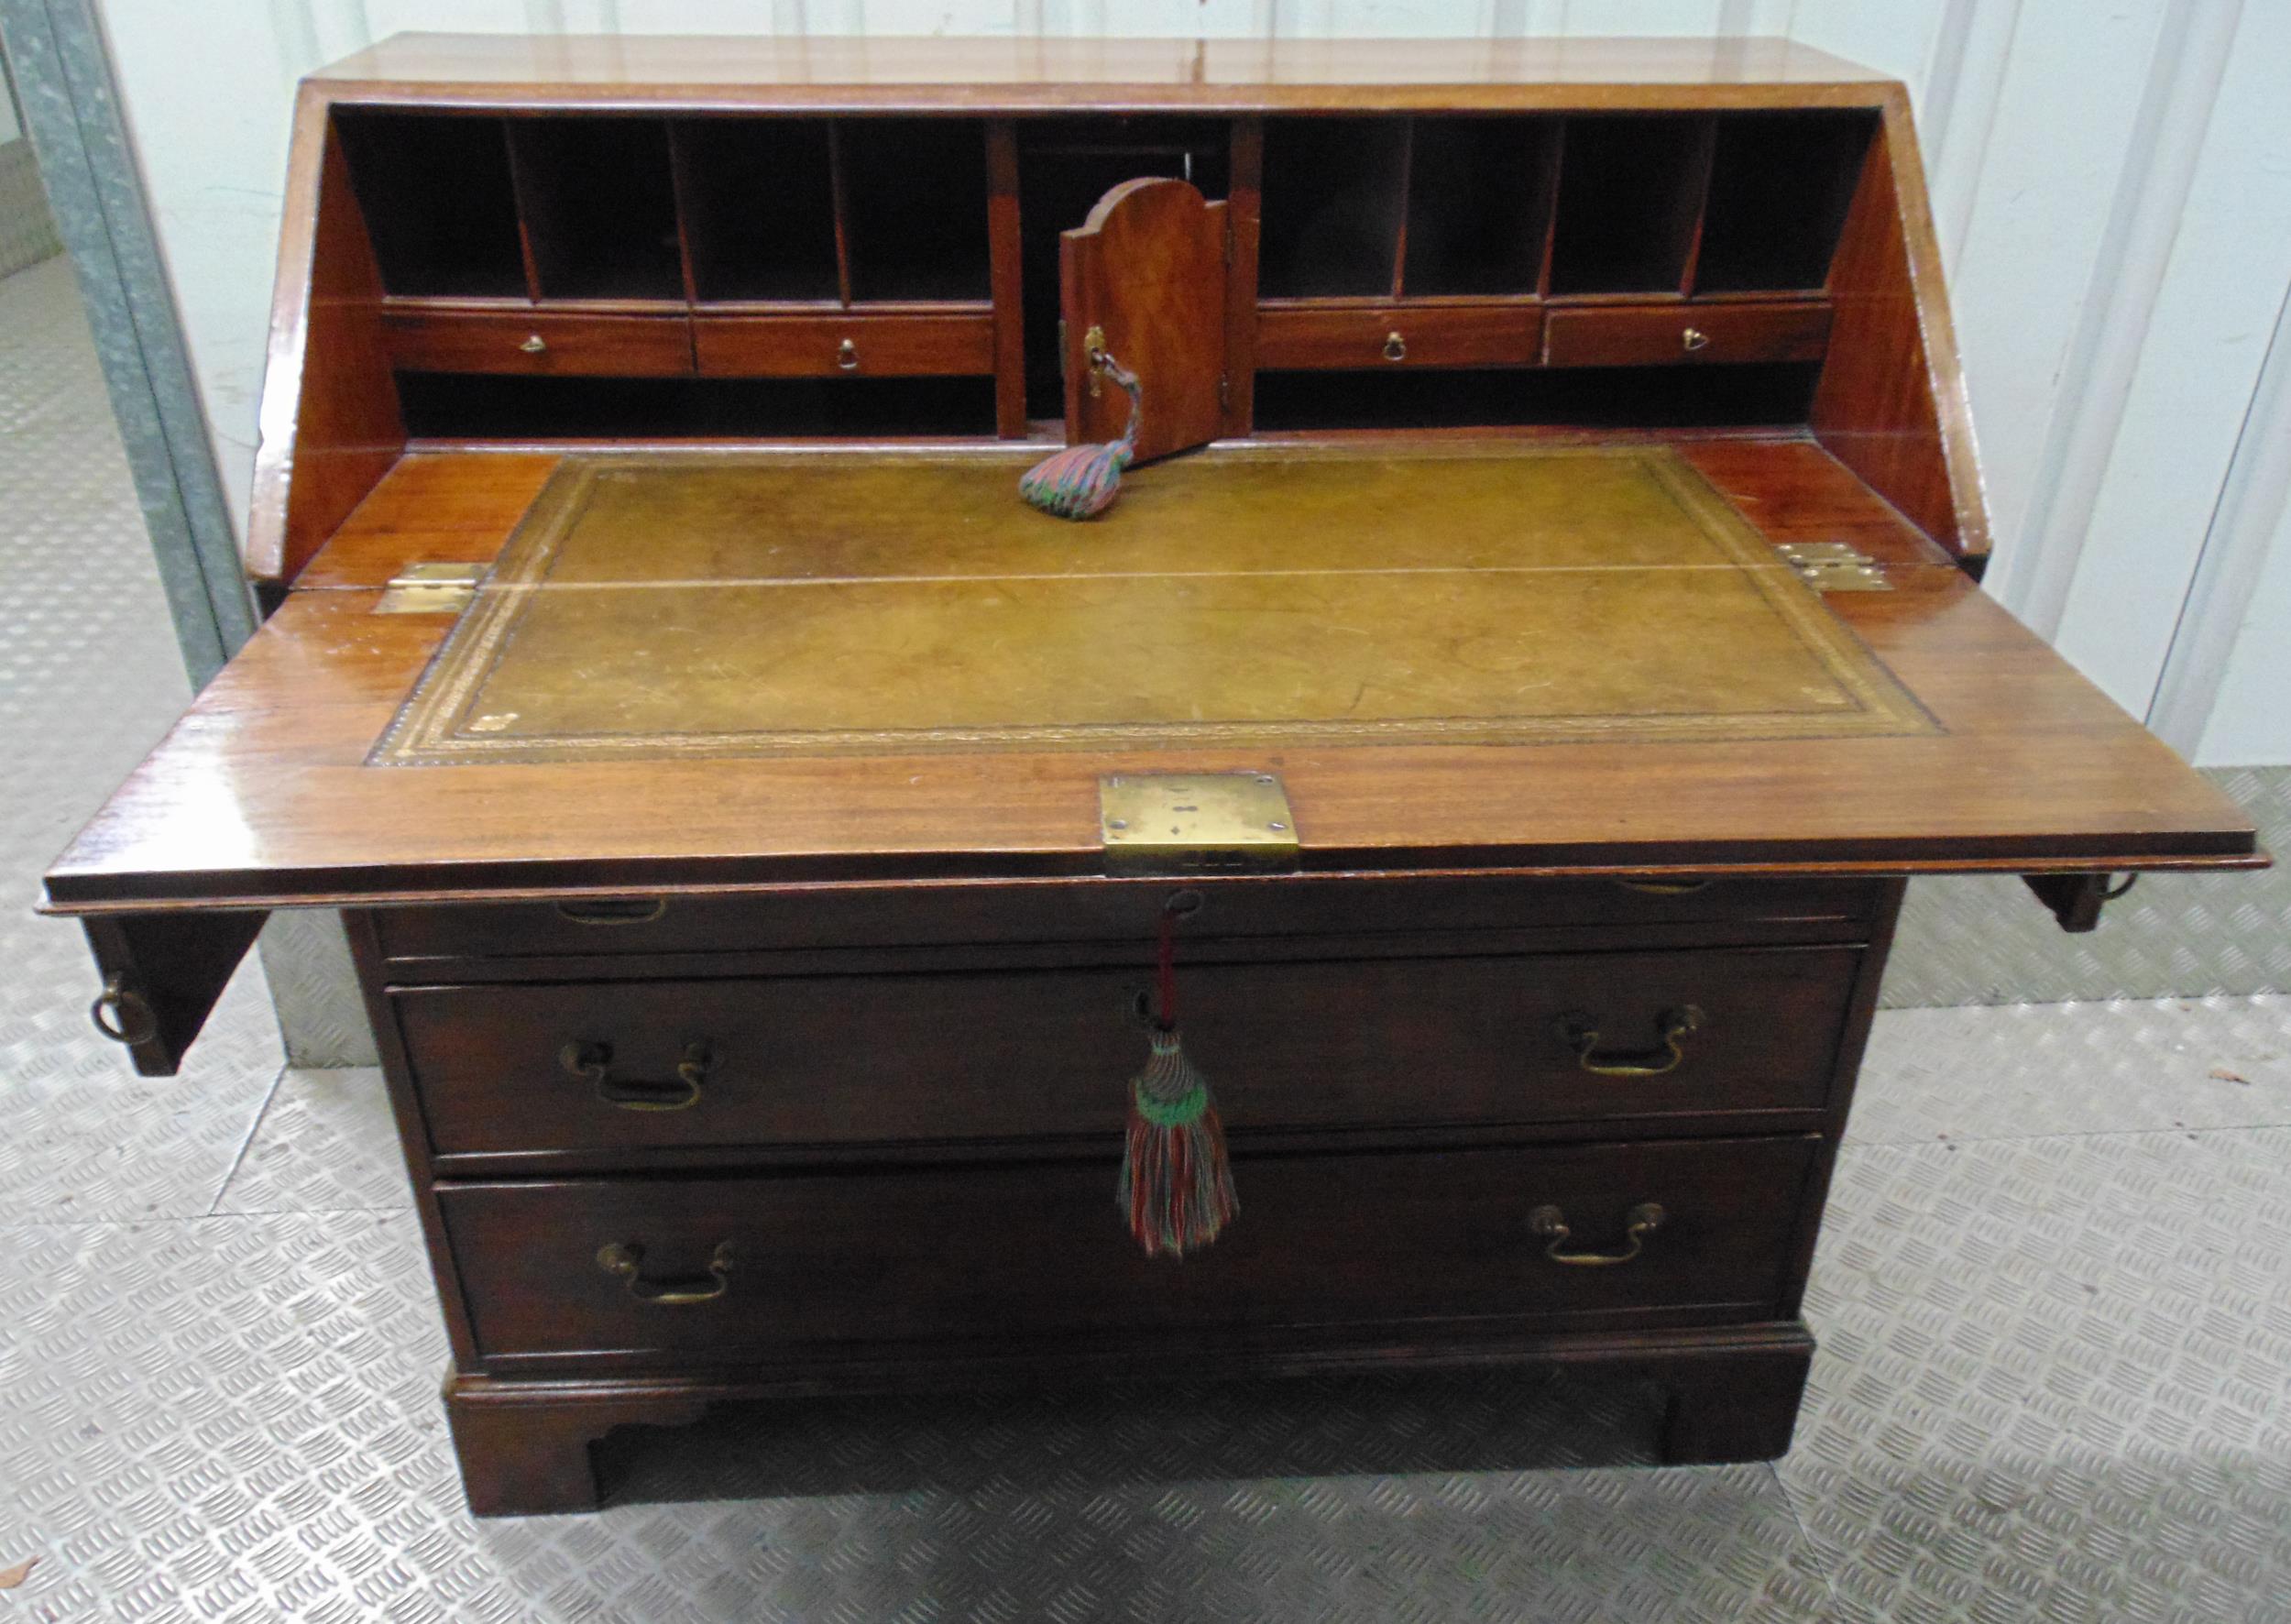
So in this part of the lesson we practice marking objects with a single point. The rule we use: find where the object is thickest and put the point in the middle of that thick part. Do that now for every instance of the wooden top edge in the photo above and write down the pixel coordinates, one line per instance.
(1021, 73)
(77, 897)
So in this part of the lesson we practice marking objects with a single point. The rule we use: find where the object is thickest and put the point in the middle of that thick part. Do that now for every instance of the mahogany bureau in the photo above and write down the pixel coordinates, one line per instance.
(1554, 651)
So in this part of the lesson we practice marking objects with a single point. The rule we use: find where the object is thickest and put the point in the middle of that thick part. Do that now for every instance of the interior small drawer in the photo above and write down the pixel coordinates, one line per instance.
(541, 343)
(907, 1058)
(1662, 334)
(1299, 338)
(851, 344)
(734, 1267)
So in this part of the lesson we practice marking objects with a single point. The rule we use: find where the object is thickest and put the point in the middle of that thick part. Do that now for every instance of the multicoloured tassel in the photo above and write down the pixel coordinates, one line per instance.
(1082, 480)
(1176, 1182)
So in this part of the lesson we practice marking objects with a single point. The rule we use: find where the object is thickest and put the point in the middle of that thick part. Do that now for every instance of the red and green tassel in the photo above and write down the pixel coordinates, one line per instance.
(1176, 1180)
(1082, 480)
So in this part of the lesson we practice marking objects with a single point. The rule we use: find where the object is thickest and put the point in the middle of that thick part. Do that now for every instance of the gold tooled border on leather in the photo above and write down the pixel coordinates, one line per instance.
(434, 728)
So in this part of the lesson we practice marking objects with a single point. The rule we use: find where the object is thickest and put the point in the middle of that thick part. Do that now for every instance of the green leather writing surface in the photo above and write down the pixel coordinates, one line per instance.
(830, 602)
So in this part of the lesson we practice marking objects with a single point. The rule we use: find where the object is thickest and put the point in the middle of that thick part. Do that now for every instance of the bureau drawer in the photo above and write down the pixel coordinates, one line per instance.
(906, 1058)
(1662, 334)
(539, 342)
(1005, 1253)
(845, 345)
(1090, 910)
(1291, 337)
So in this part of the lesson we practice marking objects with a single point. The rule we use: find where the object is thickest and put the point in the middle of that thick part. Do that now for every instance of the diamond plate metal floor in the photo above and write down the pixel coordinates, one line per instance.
(1980, 938)
(89, 680)
(2054, 1298)
(2054, 1382)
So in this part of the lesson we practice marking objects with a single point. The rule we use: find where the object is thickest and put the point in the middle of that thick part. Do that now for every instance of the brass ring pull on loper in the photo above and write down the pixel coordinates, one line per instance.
(1549, 1224)
(123, 1014)
(592, 1062)
(1574, 1029)
(628, 1262)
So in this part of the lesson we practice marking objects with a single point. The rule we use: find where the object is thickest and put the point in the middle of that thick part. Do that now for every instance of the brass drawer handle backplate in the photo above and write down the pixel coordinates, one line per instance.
(592, 1062)
(1549, 1224)
(628, 1261)
(1574, 1029)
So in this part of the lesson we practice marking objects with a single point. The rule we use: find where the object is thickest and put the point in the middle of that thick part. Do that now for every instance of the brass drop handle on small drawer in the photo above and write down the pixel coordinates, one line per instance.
(534, 344)
(592, 1062)
(1574, 1029)
(1693, 339)
(1394, 347)
(847, 356)
(1549, 1224)
(628, 1262)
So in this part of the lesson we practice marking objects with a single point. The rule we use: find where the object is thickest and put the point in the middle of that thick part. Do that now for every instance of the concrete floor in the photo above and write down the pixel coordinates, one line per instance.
(2054, 1295)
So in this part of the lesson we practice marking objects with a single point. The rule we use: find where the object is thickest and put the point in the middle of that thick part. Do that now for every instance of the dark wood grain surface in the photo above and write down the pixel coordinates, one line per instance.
(1010, 1254)
(1891, 404)
(1146, 271)
(430, 943)
(1049, 71)
(1310, 334)
(330, 423)
(540, 343)
(2034, 769)
(1685, 335)
(867, 343)
(999, 1054)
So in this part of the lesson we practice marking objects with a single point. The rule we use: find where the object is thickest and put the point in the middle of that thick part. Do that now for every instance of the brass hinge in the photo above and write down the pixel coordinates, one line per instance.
(1196, 823)
(430, 589)
(1834, 567)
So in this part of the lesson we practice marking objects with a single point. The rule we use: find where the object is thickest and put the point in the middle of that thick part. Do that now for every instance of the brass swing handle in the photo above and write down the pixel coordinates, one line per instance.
(122, 1013)
(628, 1261)
(1575, 1030)
(592, 1063)
(1549, 1224)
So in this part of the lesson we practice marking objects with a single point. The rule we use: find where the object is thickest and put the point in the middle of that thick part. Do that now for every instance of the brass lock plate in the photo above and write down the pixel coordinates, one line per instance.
(1196, 823)
(1834, 567)
(430, 589)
